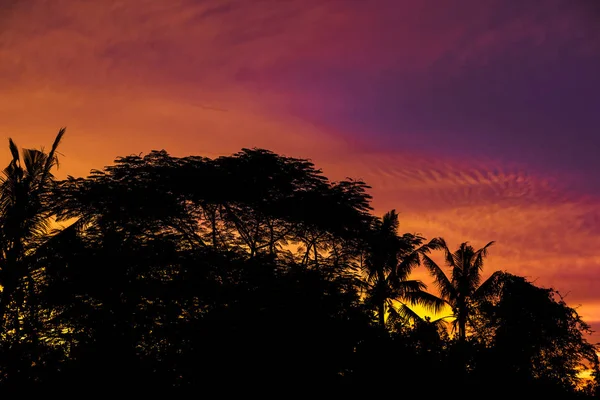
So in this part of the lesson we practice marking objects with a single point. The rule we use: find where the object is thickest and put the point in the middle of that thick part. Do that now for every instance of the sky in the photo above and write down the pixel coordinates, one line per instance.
(477, 120)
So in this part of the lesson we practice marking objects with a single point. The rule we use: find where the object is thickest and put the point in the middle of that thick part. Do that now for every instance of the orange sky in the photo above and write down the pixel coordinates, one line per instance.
(209, 77)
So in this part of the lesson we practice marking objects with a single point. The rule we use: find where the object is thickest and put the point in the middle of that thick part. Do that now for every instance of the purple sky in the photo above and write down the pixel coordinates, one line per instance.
(516, 81)
(477, 120)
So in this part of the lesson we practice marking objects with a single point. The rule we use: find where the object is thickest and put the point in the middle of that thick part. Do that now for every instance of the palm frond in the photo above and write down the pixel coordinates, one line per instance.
(14, 150)
(33, 162)
(442, 282)
(52, 159)
(408, 263)
(448, 255)
(430, 302)
(407, 313)
(480, 255)
(437, 243)
(408, 286)
(389, 222)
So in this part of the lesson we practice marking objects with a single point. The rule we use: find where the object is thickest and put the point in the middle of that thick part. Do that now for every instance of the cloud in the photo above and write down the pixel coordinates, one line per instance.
(543, 230)
(424, 100)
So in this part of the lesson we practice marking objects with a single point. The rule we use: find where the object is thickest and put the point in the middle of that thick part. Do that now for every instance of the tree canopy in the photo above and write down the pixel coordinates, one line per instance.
(162, 272)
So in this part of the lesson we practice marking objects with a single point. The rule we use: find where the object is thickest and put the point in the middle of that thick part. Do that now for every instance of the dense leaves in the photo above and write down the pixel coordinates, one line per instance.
(531, 335)
(193, 273)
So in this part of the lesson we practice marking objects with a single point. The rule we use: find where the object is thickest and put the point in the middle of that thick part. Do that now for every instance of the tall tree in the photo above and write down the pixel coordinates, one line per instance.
(464, 285)
(388, 263)
(25, 210)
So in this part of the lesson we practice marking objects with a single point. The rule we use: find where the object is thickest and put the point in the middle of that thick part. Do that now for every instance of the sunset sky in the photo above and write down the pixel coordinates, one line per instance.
(477, 120)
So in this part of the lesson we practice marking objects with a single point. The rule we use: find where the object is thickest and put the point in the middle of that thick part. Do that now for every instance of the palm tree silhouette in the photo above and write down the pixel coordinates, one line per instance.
(464, 286)
(25, 208)
(388, 263)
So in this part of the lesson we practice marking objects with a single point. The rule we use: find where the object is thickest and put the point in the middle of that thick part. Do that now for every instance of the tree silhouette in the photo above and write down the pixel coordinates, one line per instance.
(153, 253)
(25, 209)
(464, 285)
(193, 273)
(389, 261)
(532, 338)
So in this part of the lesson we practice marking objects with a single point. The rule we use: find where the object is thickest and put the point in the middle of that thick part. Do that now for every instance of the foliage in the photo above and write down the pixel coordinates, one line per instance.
(532, 335)
(463, 288)
(253, 268)
(389, 261)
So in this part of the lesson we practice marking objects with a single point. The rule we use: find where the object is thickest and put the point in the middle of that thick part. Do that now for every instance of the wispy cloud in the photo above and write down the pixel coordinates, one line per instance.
(424, 100)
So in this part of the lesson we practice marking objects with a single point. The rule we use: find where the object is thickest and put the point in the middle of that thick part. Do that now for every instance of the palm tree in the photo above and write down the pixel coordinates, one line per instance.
(25, 211)
(464, 286)
(388, 263)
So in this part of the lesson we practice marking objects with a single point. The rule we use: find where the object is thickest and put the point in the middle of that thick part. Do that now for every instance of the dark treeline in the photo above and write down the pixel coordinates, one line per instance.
(255, 271)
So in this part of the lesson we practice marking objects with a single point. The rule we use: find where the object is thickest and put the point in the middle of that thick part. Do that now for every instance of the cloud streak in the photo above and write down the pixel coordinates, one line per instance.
(476, 122)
